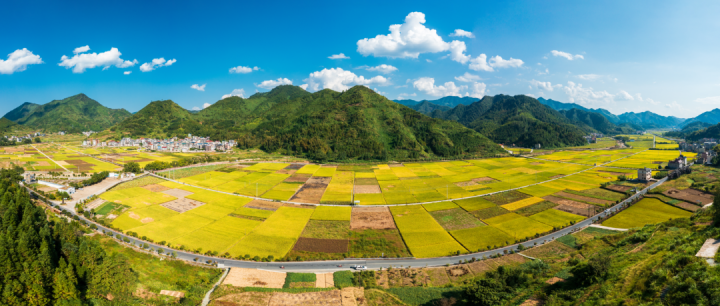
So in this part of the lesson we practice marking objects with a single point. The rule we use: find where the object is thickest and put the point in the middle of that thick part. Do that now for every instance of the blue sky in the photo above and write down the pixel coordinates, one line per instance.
(618, 55)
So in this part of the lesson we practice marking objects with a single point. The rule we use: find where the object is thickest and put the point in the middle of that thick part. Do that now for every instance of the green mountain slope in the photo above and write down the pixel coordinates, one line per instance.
(74, 114)
(709, 132)
(449, 101)
(595, 122)
(688, 129)
(519, 120)
(711, 117)
(650, 120)
(426, 108)
(158, 119)
(361, 124)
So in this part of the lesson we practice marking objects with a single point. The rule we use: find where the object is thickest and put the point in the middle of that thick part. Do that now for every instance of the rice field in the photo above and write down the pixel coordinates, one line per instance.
(647, 211)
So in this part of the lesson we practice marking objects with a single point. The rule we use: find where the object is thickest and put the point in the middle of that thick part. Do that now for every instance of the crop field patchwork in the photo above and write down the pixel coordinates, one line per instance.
(518, 226)
(482, 238)
(422, 234)
(647, 211)
(556, 218)
(276, 235)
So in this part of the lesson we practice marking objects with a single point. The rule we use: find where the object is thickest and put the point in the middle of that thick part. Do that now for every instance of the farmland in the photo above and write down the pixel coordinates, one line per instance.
(470, 206)
(646, 211)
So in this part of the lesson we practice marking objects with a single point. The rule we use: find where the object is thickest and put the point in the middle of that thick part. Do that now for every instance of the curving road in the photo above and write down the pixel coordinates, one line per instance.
(333, 265)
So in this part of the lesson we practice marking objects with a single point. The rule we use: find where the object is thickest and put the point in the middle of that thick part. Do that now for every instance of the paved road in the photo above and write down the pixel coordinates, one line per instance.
(333, 265)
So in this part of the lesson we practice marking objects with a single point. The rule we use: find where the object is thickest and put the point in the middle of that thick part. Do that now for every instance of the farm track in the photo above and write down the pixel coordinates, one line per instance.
(48, 157)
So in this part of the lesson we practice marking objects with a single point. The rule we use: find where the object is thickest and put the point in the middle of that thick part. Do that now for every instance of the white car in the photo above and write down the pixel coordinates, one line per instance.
(360, 267)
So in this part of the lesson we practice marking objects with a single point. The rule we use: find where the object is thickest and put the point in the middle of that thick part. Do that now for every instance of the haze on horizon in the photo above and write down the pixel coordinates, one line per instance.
(657, 56)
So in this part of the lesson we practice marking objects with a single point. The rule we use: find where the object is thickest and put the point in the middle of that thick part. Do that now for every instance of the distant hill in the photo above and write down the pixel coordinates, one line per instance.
(712, 131)
(643, 120)
(711, 117)
(688, 129)
(74, 114)
(519, 120)
(449, 101)
(595, 122)
(357, 124)
(426, 108)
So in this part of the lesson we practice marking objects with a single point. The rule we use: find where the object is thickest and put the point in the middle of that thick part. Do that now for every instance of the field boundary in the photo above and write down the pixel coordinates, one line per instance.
(48, 157)
(389, 205)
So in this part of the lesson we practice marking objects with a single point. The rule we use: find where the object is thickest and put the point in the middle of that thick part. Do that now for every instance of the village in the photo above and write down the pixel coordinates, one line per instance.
(188, 144)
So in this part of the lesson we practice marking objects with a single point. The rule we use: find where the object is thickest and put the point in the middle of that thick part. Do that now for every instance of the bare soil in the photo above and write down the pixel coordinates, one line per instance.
(365, 189)
(264, 205)
(557, 176)
(182, 205)
(298, 178)
(583, 198)
(371, 218)
(242, 277)
(324, 280)
(554, 280)
(688, 206)
(587, 211)
(156, 188)
(286, 171)
(178, 193)
(312, 190)
(321, 245)
(690, 195)
(619, 188)
(466, 184)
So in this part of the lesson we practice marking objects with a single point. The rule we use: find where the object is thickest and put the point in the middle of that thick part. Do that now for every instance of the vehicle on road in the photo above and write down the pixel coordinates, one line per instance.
(360, 267)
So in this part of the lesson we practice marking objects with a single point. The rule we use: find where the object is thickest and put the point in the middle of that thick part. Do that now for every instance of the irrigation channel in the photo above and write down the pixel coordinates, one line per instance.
(371, 263)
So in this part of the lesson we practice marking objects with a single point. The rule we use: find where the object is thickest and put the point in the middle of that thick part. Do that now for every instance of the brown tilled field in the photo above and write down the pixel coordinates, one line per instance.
(298, 178)
(264, 205)
(324, 280)
(321, 245)
(371, 218)
(690, 195)
(586, 211)
(583, 198)
(365, 189)
(619, 188)
(182, 205)
(241, 277)
(312, 191)
(157, 188)
(178, 193)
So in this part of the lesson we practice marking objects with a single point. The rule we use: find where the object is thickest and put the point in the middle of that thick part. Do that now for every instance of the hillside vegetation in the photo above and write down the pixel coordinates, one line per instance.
(74, 114)
(357, 124)
(519, 120)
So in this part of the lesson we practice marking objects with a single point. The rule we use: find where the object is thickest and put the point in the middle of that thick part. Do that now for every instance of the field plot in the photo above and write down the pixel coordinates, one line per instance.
(518, 226)
(423, 236)
(482, 238)
(276, 236)
(651, 159)
(455, 219)
(647, 211)
(219, 235)
(371, 218)
(556, 218)
(332, 213)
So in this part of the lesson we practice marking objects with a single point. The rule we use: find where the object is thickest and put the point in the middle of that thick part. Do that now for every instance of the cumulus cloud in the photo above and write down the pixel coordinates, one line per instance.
(384, 68)
(589, 77)
(543, 85)
(198, 87)
(83, 61)
(196, 108)
(206, 105)
(405, 40)
(156, 63)
(462, 33)
(478, 90)
(338, 56)
(468, 78)
(18, 61)
(457, 52)
(304, 86)
(566, 55)
(243, 69)
(480, 63)
(338, 79)
(499, 62)
(585, 95)
(83, 49)
(235, 93)
(427, 86)
(270, 84)
(674, 105)
(127, 72)
(708, 100)
(625, 96)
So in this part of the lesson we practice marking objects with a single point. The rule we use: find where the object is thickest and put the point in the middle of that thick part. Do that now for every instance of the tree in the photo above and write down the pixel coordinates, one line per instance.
(716, 207)
(132, 167)
(65, 283)
(37, 140)
(486, 292)
(27, 141)
(594, 270)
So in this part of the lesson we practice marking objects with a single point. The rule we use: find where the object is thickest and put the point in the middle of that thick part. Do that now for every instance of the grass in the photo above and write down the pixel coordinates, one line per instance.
(556, 218)
(375, 243)
(506, 197)
(539, 190)
(332, 213)
(343, 279)
(482, 238)
(155, 275)
(647, 211)
(522, 203)
(107, 208)
(473, 204)
(293, 277)
(276, 236)
(422, 234)
(455, 219)
(425, 295)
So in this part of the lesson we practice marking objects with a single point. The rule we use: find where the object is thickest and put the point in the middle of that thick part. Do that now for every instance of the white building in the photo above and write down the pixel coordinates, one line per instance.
(644, 174)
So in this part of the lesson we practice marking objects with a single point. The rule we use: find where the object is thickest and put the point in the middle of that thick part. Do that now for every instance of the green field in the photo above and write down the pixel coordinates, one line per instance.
(647, 211)
(422, 234)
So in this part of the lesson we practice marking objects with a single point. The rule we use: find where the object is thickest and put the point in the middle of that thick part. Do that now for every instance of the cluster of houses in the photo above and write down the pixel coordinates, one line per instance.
(703, 148)
(676, 166)
(191, 143)
(21, 138)
(593, 137)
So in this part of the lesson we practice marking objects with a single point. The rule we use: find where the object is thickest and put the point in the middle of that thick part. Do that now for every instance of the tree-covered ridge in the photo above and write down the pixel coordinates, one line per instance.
(51, 263)
(595, 122)
(361, 124)
(519, 120)
(688, 129)
(709, 132)
(74, 114)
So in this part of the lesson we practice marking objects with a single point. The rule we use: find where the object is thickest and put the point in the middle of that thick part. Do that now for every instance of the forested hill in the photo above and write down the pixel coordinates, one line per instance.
(361, 124)
(519, 120)
(594, 122)
(74, 114)
(326, 125)
(449, 101)
(709, 132)
(688, 129)
(643, 120)
(52, 263)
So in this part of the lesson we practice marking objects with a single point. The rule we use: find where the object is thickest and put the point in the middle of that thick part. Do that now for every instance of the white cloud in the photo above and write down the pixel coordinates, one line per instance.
(270, 84)
(428, 60)
(338, 79)
(674, 105)
(384, 68)
(624, 96)
(81, 49)
(198, 87)
(651, 101)
(708, 100)
(404, 95)
(81, 62)
(480, 63)
(235, 93)
(196, 108)
(304, 86)
(544, 85)
(478, 90)
(206, 105)
(531, 95)
(468, 78)
(566, 55)
(462, 33)
(379, 92)
(589, 77)
(499, 62)
(243, 69)
(18, 61)
(577, 93)
(127, 72)
(427, 86)
(545, 72)
(338, 56)
(457, 52)
(405, 40)
(156, 63)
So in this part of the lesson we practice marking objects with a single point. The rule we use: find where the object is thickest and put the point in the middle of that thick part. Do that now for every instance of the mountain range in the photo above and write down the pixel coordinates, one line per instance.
(449, 101)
